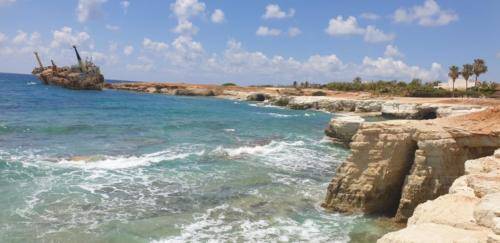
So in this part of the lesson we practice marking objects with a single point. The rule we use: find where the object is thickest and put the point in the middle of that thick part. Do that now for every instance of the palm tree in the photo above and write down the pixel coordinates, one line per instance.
(478, 68)
(467, 71)
(453, 74)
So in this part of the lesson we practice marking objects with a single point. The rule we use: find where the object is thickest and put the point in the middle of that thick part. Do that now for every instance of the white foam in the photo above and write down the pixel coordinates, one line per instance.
(280, 115)
(261, 150)
(122, 162)
(214, 226)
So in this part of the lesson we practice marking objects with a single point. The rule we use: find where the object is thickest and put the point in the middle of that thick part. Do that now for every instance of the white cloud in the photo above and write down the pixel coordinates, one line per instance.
(185, 51)
(183, 10)
(246, 66)
(3, 38)
(65, 37)
(339, 26)
(498, 53)
(266, 31)
(187, 8)
(217, 16)
(273, 11)
(88, 9)
(375, 35)
(156, 46)
(294, 31)
(145, 65)
(23, 38)
(389, 68)
(185, 26)
(343, 27)
(6, 2)
(369, 16)
(112, 27)
(392, 51)
(429, 14)
(128, 50)
(20, 38)
(125, 5)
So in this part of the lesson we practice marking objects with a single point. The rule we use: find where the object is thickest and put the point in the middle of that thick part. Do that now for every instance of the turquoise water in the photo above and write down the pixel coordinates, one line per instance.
(114, 166)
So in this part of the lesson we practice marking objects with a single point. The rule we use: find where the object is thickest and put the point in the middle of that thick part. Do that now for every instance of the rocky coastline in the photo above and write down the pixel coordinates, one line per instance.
(427, 155)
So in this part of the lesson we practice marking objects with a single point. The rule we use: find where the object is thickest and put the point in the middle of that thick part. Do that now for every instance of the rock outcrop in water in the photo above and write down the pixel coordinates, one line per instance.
(470, 212)
(397, 165)
(165, 88)
(84, 76)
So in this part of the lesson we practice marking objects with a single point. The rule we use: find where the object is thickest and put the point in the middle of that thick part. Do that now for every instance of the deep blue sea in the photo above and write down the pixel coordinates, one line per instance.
(116, 166)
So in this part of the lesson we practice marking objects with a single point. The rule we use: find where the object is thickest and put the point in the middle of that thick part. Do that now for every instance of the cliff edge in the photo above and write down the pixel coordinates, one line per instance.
(397, 165)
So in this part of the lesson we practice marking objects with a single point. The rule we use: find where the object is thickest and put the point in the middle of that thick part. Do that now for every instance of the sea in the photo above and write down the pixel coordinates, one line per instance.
(118, 166)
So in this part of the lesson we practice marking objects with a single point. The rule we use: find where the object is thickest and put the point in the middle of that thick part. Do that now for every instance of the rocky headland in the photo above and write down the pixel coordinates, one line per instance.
(397, 167)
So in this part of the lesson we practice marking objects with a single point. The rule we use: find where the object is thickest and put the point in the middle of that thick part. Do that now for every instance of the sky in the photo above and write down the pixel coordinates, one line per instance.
(254, 42)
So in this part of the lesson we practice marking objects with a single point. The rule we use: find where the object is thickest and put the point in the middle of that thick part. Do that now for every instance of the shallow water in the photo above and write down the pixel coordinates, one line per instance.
(114, 166)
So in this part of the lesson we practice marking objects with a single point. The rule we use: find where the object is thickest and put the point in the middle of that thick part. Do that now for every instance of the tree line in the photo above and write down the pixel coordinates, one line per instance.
(477, 68)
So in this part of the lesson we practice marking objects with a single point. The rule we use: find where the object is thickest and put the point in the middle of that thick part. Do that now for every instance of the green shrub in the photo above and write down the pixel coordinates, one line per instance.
(413, 89)
(229, 84)
(318, 93)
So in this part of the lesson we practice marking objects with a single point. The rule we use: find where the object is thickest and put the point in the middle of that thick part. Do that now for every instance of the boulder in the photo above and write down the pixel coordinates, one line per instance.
(487, 212)
(151, 90)
(430, 232)
(343, 128)
(451, 209)
(369, 106)
(257, 97)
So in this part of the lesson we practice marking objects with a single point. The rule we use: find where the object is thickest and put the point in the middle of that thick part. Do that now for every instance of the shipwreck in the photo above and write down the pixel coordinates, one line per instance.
(83, 76)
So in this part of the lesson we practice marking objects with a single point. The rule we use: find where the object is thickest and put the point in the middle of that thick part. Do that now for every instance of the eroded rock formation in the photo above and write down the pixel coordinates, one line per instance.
(343, 127)
(397, 165)
(469, 213)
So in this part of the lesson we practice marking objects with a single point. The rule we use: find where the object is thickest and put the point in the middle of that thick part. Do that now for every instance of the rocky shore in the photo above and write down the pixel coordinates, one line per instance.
(430, 163)
(397, 167)
(470, 212)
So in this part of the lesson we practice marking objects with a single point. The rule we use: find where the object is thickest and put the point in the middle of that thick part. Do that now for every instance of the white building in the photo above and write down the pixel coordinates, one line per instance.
(459, 84)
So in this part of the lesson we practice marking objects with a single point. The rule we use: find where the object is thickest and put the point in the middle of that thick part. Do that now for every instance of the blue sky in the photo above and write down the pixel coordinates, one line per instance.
(253, 42)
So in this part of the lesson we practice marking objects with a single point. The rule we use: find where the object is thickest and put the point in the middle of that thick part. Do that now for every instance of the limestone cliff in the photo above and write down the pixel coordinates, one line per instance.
(469, 213)
(397, 165)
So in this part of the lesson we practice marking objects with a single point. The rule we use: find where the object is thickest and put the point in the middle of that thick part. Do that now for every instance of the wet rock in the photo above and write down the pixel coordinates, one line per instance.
(257, 97)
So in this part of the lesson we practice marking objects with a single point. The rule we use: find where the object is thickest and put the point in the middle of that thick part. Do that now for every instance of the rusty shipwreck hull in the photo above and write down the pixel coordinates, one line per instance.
(67, 78)
(83, 76)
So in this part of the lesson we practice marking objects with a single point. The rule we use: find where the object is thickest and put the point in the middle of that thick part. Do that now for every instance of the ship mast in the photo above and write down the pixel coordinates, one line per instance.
(80, 63)
(38, 59)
